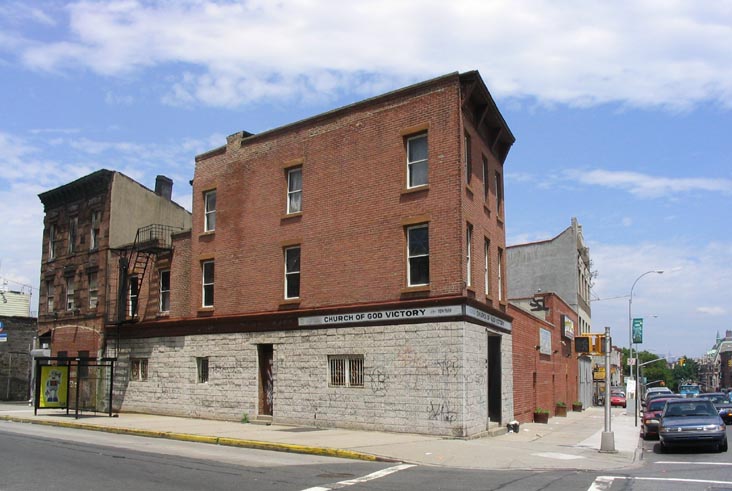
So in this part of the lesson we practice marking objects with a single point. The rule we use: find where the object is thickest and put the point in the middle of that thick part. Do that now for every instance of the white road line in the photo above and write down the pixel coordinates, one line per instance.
(603, 483)
(358, 480)
(693, 463)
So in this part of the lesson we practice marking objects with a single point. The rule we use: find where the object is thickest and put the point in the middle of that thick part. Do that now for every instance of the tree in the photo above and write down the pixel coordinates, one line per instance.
(687, 372)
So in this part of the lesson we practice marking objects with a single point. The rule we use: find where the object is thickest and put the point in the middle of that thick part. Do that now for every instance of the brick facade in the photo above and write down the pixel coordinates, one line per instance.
(15, 362)
(357, 207)
(541, 380)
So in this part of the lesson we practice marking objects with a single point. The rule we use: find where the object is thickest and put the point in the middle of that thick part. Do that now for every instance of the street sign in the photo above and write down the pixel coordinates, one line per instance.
(3, 337)
(637, 331)
(631, 362)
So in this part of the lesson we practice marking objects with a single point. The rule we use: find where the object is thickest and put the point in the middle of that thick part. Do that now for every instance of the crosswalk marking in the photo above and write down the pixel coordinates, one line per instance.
(359, 480)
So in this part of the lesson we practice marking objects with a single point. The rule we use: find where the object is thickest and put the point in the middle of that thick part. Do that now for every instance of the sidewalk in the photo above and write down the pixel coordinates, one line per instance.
(565, 443)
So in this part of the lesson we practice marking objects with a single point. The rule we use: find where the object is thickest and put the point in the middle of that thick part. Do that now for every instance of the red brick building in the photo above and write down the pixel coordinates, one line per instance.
(544, 361)
(89, 225)
(343, 270)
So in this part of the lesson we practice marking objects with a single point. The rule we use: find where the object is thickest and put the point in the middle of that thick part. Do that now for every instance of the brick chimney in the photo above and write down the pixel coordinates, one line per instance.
(164, 187)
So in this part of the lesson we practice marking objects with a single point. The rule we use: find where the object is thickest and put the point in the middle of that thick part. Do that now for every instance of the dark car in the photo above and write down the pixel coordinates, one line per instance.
(722, 402)
(656, 395)
(652, 416)
(692, 422)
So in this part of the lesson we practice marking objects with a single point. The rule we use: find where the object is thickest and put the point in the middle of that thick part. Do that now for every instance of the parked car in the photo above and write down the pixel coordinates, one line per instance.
(617, 398)
(652, 415)
(656, 395)
(690, 422)
(723, 404)
(655, 390)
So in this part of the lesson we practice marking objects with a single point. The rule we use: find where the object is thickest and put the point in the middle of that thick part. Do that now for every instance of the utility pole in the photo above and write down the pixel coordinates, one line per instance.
(607, 444)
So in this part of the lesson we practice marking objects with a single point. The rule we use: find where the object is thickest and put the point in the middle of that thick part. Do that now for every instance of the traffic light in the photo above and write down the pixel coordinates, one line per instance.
(682, 361)
(599, 343)
(582, 344)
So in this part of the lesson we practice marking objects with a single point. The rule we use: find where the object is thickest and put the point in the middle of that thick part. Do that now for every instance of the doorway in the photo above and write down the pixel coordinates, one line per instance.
(266, 384)
(495, 401)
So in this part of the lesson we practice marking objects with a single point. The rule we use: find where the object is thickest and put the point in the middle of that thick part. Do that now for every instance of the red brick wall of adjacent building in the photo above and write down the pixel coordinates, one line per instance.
(542, 380)
(355, 207)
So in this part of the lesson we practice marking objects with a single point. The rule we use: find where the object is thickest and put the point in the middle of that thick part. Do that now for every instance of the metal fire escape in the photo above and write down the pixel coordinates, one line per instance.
(134, 263)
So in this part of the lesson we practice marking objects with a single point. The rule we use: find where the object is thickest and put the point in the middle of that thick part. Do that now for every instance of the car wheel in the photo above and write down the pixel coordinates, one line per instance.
(722, 446)
(662, 448)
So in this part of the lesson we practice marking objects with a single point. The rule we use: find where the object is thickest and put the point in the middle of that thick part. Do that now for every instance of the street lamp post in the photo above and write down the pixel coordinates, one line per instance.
(630, 343)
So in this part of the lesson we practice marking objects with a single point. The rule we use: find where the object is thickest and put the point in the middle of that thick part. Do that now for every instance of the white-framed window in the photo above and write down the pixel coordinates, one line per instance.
(292, 272)
(70, 293)
(209, 211)
(499, 191)
(345, 370)
(207, 269)
(73, 233)
(417, 168)
(96, 219)
(486, 178)
(294, 190)
(418, 255)
(133, 295)
(468, 159)
(164, 290)
(487, 266)
(138, 369)
(52, 242)
(468, 254)
(202, 369)
(500, 274)
(50, 296)
(93, 291)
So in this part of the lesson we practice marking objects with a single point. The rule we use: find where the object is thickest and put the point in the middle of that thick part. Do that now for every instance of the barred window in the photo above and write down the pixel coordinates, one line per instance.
(346, 370)
(138, 369)
(202, 368)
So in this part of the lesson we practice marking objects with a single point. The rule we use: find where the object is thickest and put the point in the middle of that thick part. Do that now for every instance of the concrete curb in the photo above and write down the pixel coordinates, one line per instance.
(213, 440)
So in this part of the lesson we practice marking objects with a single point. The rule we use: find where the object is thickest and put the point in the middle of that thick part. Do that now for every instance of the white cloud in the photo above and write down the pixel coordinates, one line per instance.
(693, 278)
(711, 310)
(647, 186)
(639, 52)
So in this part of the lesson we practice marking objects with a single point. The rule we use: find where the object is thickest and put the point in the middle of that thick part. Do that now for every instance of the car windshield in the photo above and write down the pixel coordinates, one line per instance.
(715, 398)
(689, 409)
(617, 394)
(657, 405)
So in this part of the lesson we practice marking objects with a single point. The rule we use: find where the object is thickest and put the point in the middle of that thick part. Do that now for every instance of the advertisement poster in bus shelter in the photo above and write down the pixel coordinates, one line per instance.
(53, 386)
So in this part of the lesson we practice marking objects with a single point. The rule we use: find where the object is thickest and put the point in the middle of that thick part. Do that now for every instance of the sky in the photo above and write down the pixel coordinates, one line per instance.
(622, 113)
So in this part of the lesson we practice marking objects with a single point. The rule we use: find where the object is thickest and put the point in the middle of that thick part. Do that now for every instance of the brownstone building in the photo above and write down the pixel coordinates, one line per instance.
(344, 270)
(89, 225)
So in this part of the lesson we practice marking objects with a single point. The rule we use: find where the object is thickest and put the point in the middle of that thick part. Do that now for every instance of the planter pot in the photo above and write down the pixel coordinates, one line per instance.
(577, 408)
(561, 411)
(541, 418)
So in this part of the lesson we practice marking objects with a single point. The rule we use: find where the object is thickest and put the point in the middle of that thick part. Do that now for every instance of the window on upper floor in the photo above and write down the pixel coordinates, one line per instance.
(468, 255)
(294, 190)
(500, 275)
(133, 295)
(499, 191)
(52, 239)
(468, 159)
(207, 270)
(418, 255)
(209, 211)
(70, 293)
(93, 291)
(417, 169)
(73, 233)
(487, 266)
(50, 296)
(96, 219)
(164, 290)
(485, 179)
(292, 272)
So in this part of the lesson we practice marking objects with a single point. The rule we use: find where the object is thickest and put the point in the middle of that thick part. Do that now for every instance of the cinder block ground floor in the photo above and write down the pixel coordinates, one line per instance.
(451, 378)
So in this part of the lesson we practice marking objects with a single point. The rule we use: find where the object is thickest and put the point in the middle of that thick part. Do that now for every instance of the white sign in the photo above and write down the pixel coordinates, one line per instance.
(567, 327)
(545, 341)
(382, 315)
(3, 337)
(631, 362)
(486, 317)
